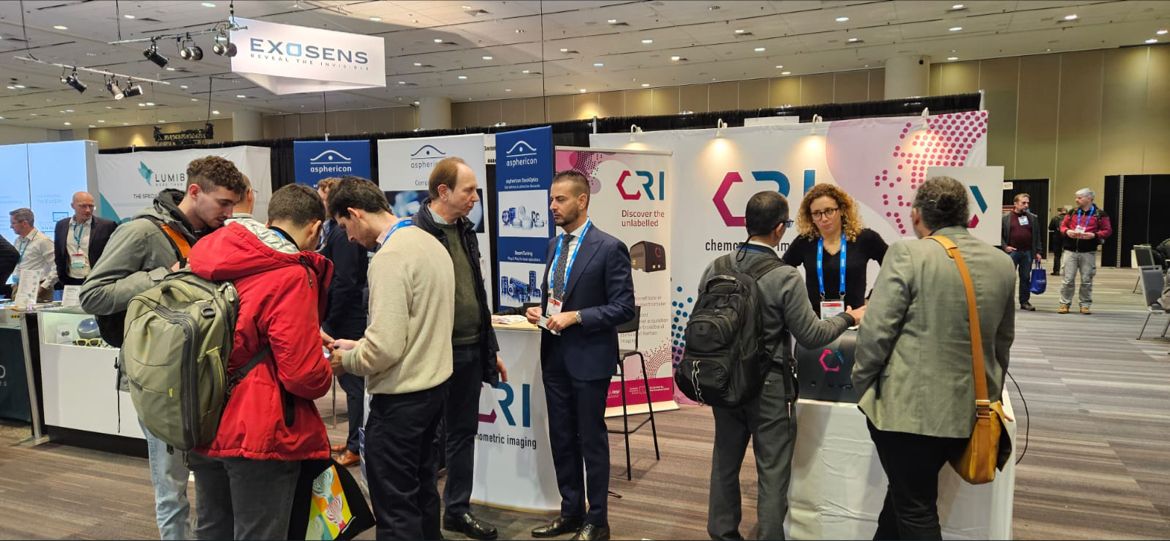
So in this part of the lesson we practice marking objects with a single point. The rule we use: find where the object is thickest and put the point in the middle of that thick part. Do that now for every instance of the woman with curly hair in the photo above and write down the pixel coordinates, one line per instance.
(832, 236)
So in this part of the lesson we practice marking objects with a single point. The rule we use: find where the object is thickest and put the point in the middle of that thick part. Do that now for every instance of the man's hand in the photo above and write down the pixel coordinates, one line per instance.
(335, 363)
(533, 314)
(1039, 257)
(561, 321)
(501, 368)
(1008, 249)
(326, 340)
(857, 314)
(344, 345)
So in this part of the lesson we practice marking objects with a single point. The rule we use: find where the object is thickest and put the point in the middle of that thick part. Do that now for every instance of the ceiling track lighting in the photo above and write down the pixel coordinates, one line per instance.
(188, 50)
(223, 45)
(73, 81)
(113, 89)
(132, 90)
(153, 55)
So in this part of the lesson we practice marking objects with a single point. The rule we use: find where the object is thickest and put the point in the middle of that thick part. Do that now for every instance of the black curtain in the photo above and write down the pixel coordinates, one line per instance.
(1135, 204)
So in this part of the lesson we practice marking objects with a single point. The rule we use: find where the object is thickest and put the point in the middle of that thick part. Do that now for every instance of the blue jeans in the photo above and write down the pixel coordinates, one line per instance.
(168, 475)
(1023, 262)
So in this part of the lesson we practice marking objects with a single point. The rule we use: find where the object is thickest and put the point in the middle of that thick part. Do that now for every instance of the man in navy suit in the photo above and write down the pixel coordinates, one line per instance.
(79, 241)
(588, 293)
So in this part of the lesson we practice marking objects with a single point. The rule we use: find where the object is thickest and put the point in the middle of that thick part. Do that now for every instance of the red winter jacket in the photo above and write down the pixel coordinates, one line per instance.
(282, 300)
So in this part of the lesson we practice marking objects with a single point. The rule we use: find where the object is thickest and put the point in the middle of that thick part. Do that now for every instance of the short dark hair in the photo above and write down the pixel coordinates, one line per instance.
(22, 215)
(211, 171)
(296, 203)
(942, 202)
(577, 179)
(327, 184)
(356, 193)
(1020, 196)
(445, 173)
(765, 211)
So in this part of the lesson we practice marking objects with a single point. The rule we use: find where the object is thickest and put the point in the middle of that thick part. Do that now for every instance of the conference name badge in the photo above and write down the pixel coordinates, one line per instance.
(77, 261)
(832, 309)
(554, 306)
(1023, 220)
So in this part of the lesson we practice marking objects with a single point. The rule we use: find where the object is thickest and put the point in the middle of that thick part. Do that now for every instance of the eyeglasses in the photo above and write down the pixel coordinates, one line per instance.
(827, 213)
(89, 342)
(787, 223)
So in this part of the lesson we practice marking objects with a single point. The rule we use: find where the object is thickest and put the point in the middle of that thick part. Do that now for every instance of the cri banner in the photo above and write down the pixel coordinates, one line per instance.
(288, 59)
(316, 160)
(879, 161)
(128, 183)
(629, 199)
(404, 169)
(524, 170)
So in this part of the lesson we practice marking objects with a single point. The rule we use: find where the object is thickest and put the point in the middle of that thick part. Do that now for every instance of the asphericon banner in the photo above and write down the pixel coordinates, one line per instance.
(288, 59)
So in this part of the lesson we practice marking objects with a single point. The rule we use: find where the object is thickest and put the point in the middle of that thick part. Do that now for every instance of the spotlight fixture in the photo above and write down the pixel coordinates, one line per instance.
(188, 50)
(153, 55)
(112, 88)
(74, 82)
(223, 45)
(132, 90)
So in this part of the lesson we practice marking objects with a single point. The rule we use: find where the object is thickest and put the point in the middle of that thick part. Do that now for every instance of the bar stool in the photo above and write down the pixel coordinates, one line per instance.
(632, 326)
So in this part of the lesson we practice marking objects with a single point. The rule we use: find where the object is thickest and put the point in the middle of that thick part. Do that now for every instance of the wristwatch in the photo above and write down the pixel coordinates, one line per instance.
(577, 315)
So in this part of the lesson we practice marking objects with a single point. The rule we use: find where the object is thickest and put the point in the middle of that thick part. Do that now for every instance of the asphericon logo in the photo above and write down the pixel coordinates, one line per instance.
(426, 157)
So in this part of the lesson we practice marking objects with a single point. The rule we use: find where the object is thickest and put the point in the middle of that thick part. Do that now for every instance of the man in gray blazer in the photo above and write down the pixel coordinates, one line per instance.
(913, 363)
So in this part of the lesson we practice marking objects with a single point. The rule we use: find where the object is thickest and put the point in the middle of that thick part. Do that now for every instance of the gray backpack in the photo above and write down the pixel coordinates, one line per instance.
(178, 339)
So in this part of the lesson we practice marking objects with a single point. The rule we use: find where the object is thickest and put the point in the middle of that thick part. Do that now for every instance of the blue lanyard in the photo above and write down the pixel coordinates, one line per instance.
(552, 270)
(1092, 211)
(820, 266)
(78, 230)
(402, 223)
(23, 247)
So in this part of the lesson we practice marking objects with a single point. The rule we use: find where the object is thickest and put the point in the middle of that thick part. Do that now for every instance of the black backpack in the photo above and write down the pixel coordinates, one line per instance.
(725, 359)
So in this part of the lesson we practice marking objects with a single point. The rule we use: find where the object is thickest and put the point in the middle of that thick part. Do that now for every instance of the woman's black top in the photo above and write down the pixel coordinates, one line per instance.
(803, 251)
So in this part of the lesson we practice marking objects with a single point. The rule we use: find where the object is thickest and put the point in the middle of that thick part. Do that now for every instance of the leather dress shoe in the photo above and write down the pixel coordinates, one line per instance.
(339, 448)
(470, 526)
(590, 532)
(348, 458)
(559, 526)
(1027, 306)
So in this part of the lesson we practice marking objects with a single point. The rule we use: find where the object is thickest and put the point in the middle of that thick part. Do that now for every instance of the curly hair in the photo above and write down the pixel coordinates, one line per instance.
(942, 202)
(210, 171)
(850, 220)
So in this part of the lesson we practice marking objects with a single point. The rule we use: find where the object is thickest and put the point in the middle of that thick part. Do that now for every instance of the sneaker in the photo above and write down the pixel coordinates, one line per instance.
(1085, 310)
(1063, 309)
(1027, 306)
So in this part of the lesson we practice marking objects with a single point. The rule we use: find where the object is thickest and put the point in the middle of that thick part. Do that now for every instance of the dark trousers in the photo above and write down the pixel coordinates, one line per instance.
(400, 463)
(911, 463)
(462, 424)
(768, 422)
(355, 398)
(240, 498)
(577, 433)
(1055, 248)
(1023, 262)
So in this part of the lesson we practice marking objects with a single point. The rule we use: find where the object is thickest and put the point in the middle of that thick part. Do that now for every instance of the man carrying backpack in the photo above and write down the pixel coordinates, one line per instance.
(138, 256)
(245, 479)
(767, 418)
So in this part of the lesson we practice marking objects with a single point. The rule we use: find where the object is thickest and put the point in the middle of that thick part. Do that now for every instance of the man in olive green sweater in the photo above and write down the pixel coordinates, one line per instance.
(405, 355)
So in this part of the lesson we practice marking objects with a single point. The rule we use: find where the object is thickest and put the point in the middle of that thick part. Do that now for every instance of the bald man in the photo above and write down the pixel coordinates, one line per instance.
(79, 242)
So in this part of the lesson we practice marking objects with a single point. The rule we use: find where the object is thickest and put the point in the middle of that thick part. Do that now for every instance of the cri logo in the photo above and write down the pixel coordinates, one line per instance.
(647, 186)
(505, 406)
(732, 177)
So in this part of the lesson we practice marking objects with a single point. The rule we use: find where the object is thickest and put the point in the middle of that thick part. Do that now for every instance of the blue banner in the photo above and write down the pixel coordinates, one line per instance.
(316, 160)
(524, 171)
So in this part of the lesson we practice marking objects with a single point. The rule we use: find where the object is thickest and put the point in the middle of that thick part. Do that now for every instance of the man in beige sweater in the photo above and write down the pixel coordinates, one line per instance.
(405, 355)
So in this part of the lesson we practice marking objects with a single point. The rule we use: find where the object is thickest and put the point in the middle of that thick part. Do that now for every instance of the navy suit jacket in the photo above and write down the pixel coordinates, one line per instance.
(345, 316)
(99, 235)
(601, 287)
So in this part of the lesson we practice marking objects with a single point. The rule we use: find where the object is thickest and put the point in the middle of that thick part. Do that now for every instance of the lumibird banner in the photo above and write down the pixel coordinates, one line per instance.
(879, 161)
(630, 197)
(128, 183)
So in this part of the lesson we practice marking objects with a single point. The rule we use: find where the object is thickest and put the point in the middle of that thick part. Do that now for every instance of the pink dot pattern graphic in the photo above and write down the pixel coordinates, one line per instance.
(946, 142)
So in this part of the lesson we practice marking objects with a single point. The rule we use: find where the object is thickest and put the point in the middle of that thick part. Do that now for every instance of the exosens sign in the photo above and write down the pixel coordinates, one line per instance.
(292, 59)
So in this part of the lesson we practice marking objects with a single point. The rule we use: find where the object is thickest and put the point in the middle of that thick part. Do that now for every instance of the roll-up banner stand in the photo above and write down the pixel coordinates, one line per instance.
(317, 160)
(524, 171)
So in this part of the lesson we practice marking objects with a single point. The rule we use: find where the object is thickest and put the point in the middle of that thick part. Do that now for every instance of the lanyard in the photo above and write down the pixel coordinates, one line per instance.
(23, 247)
(552, 271)
(1080, 212)
(402, 223)
(820, 266)
(78, 230)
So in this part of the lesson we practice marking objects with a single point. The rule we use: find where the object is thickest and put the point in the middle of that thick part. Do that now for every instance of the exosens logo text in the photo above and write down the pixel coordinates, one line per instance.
(294, 52)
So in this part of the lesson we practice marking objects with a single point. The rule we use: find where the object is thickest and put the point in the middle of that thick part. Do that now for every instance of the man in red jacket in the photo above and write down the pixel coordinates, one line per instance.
(245, 479)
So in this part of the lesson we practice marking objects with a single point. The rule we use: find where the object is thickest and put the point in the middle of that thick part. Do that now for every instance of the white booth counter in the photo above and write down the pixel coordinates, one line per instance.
(79, 379)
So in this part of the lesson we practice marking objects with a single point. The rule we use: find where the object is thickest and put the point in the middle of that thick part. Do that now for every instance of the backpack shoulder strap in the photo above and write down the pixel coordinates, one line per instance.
(762, 266)
(238, 375)
(178, 241)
